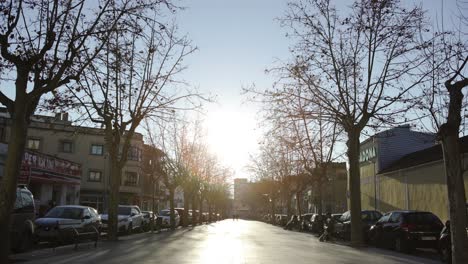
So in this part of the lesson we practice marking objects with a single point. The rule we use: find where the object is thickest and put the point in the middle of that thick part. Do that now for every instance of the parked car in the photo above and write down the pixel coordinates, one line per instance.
(129, 218)
(316, 223)
(166, 217)
(58, 223)
(181, 212)
(190, 217)
(283, 220)
(445, 241)
(204, 217)
(214, 217)
(148, 217)
(406, 230)
(305, 222)
(343, 225)
(22, 221)
(336, 217)
(278, 219)
(195, 215)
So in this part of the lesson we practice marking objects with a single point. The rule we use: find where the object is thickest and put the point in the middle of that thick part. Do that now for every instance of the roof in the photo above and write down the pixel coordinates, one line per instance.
(74, 206)
(408, 211)
(423, 156)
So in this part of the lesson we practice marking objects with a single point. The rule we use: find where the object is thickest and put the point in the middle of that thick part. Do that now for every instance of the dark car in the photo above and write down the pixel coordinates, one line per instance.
(305, 222)
(181, 212)
(336, 217)
(445, 241)
(22, 221)
(312, 223)
(283, 220)
(148, 218)
(406, 230)
(317, 223)
(60, 223)
(343, 225)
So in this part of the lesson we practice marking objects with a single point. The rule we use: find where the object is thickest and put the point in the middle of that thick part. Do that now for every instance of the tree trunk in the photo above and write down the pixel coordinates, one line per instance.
(449, 135)
(16, 146)
(200, 214)
(171, 203)
(319, 198)
(186, 208)
(209, 212)
(153, 203)
(298, 202)
(194, 209)
(273, 211)
(114, 179)
(354, 182)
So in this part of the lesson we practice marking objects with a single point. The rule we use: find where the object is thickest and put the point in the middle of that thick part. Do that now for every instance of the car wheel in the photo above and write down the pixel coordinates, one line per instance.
(374, 240)
(129, 229)
(401, 245)
(26, 242)
(446, 255)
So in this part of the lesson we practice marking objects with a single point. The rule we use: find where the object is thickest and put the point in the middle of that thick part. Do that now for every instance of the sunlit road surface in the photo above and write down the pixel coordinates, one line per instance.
(228, 241)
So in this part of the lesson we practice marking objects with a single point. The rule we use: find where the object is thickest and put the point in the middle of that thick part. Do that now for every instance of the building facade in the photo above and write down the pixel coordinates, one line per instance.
(406, 172)
(57, 137)
(380, 151)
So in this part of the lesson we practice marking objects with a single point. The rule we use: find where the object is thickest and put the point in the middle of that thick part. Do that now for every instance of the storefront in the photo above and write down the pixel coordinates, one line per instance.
(53, 181)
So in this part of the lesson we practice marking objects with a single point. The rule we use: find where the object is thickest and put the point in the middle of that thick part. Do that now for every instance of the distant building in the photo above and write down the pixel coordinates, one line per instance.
(240, 205)
(333, 192)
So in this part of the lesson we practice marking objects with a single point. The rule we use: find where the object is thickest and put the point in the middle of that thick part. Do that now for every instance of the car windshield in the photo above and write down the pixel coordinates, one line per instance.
(65, 212)
(422, 219)
(124, 210)
(165, 213)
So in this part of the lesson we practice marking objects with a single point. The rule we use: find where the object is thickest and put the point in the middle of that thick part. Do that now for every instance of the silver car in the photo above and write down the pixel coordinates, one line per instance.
(129, 216)
(61, 222)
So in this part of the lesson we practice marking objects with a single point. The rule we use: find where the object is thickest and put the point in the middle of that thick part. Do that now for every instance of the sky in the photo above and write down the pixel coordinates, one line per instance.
(237, 41)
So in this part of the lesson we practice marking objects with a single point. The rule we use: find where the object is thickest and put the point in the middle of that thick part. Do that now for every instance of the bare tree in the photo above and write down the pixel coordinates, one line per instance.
(133, 79)
(441, 102)
(45, 45)
(354, 67)
(449, 135)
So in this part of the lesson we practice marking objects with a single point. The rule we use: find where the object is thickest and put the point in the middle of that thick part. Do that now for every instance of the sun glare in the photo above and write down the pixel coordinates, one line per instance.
(232, 136)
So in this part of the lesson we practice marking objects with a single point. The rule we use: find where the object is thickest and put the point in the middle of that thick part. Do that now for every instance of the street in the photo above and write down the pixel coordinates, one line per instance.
(227, 241)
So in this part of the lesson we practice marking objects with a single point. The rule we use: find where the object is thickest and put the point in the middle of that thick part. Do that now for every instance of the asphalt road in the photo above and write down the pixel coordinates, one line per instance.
(228, 241)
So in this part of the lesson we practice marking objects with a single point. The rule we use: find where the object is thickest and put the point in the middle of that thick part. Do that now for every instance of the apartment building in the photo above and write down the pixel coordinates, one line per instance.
(58, 139)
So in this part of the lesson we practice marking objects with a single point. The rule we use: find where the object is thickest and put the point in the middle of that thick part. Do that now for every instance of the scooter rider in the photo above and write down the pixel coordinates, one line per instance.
(328, 228)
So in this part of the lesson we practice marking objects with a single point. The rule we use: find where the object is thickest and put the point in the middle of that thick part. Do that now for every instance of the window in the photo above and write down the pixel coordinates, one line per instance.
(97, 149)
(384, 218)
(33, 143)
(134, 153)
(94, 176)
(66, 146)
(131, 179)
(394, 218)
(135, 211)
(86, 213)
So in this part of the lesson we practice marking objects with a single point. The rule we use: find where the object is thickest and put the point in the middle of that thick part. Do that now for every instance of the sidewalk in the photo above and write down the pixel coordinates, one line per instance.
(45, 251)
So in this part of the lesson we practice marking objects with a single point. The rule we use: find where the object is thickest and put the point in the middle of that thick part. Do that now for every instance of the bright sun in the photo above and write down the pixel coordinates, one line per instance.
(232, 136)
